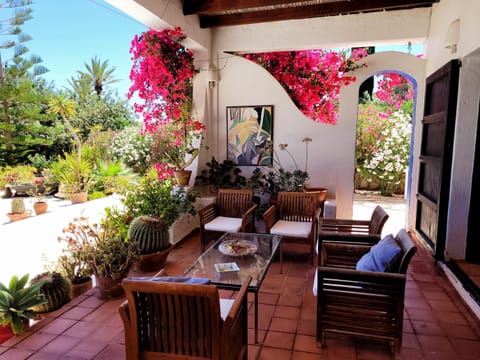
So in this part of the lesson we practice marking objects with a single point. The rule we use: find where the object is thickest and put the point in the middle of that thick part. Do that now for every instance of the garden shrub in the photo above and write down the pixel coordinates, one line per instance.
(133, 148)
(383, 147)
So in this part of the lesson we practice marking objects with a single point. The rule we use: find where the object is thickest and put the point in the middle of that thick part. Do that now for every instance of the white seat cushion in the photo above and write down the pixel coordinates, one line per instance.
(292, 228)
(225, 306)
(225, 224)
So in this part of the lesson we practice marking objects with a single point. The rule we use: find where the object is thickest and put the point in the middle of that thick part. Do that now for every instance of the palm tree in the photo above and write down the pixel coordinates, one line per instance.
(80, 86)
(66, 108)
(98, 74)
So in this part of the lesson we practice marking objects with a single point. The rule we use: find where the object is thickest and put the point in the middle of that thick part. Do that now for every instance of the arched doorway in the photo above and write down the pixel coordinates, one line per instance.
(414, 69)
(383, 146)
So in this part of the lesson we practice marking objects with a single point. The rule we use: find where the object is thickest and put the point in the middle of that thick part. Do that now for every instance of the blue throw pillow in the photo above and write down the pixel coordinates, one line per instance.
(384, 256)
(176, 279)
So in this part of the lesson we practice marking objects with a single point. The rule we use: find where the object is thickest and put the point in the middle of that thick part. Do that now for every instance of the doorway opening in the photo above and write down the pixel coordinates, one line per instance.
(384, 143)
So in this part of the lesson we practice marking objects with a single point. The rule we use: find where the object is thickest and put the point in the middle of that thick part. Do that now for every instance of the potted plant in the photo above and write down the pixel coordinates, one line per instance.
(16, 303)
(17, 210)
(55, 289)
(76, 270)
(224, 175)
(153, 205)
(39, 190)
(74, 175)
(106, 251)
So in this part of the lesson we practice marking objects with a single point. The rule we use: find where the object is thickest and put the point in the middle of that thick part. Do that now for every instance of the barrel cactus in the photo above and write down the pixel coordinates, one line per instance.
(18, 206)
(55, 288)
(150, 233)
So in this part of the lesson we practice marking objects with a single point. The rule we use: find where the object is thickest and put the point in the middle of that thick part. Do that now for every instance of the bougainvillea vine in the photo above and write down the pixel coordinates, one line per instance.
(312, 78)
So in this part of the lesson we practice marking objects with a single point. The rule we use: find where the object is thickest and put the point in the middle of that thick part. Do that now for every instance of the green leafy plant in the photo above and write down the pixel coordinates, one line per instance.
(224, 175)
(20, 174)
(158, 198)
(17, 301)
(75, 173)
(103, 247)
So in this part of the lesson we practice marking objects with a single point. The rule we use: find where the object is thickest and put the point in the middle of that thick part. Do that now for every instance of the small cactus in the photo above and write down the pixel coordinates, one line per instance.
(150, 233)
(18, 206)
(56, 289)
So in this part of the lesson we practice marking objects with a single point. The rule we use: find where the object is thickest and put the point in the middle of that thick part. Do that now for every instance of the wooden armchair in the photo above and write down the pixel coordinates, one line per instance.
(355, 231)
(168, 320)
(362, 303)
(233, 211)
(295, 218)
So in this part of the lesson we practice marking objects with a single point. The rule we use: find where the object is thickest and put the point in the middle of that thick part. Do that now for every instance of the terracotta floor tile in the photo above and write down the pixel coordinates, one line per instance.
(279, 340)
(436, 325)
(421, 314)
(466, 348)
(300, 355)
(46, 356)
(16, 354)
(411, 354)
(410, 341)
(76, 313)
(287, 312)
(111, 352)
(427, 328)
(58, 326)
(253, 351)
(61, 344)
(268, 353)
(306, 343)
(290, 300)
(459, 331)
(82, 329)
(36, 342)
(87, 349)
(283, 325)
(431, 344)
(268, 298)
(251, 336)
(373, 350)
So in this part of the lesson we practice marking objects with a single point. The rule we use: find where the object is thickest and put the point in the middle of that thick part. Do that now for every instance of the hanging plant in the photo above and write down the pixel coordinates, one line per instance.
(312, 78)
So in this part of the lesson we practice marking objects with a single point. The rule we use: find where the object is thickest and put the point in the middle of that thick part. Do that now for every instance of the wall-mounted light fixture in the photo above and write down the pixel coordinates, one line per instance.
(452, 36)
(212, 76)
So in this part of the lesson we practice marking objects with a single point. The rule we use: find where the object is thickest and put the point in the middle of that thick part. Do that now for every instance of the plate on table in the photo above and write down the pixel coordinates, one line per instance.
(237, 247)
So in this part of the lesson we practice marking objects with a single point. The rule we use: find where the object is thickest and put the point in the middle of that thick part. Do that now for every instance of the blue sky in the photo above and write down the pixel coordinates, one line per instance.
(67, 33)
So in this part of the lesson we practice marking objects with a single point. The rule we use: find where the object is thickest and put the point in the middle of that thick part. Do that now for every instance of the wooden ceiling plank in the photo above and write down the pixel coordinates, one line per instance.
(320, 10)
(201, 7)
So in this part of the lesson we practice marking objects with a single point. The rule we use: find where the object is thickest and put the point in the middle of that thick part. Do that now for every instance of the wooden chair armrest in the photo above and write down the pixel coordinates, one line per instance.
(248, 220)
(346, 237)
(125, 316)
(346, 278)
(344, 225)
(340, 255)
(270, 218)
(207, 214)
(238, 303)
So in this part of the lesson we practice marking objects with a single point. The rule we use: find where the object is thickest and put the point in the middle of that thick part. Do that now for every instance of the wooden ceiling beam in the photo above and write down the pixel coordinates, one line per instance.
(201, 7)
(310, 11)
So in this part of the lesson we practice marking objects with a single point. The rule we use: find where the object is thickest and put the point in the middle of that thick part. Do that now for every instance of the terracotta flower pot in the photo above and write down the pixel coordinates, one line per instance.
(182, 177)
(78, 288)
(77, 198)
(153, 262)
(40, 207)
(108, 289)
(5, 333)
(16, 217)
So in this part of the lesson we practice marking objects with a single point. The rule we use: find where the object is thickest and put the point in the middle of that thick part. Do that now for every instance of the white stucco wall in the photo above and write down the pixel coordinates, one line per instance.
(332, 151)
(443, 13)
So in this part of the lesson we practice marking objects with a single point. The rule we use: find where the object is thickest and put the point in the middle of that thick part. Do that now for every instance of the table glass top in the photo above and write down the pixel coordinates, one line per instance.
(234, 257)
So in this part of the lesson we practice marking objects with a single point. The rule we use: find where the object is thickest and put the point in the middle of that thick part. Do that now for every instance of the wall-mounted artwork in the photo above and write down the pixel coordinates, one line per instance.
(249, 135)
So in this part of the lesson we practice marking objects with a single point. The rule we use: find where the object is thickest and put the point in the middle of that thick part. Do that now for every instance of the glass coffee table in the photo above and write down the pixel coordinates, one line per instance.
(234, 257)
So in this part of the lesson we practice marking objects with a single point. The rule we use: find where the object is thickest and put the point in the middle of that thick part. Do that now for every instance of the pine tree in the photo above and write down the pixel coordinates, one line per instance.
(21, 110)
